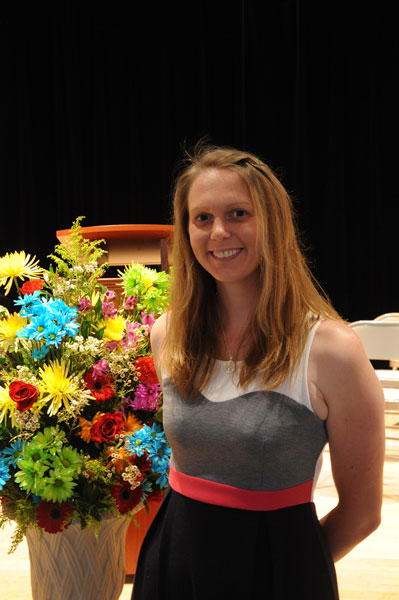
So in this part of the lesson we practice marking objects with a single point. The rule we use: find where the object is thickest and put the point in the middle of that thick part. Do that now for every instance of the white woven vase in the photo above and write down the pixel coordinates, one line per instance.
(74, 565)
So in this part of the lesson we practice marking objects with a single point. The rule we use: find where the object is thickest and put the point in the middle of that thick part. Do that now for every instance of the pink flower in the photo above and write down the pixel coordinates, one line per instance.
(111, 346)
(148, 320)
(129, 337)
(109, 295)
(109, 311)
(99, 369)
(130, 303)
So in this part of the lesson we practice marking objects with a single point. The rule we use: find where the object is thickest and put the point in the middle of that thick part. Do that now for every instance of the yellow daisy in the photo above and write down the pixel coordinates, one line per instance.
(56, 388)
(114, 329)
(10, 326)
(18, 265)
(7, 406)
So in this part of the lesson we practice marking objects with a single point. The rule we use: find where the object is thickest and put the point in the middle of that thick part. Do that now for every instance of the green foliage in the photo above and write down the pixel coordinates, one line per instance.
(76, 270)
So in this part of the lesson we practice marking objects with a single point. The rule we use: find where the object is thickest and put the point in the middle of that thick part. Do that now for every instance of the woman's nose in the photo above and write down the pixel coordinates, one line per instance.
(219, 230)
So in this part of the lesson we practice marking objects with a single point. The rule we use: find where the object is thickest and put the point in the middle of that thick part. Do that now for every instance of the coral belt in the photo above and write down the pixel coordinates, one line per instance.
(233, 497)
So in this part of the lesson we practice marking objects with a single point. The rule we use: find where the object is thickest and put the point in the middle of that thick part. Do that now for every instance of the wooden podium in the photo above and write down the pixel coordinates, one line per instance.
(146, 244)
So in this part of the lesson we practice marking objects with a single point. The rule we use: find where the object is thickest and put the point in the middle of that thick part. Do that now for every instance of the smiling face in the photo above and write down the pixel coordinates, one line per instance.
(222, 226)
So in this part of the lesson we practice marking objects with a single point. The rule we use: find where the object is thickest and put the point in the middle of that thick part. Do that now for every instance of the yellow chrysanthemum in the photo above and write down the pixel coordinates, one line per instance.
(56, 387)
(18, 265)
(7, 406)
(148, 277)
(114, 329)
(10, 326)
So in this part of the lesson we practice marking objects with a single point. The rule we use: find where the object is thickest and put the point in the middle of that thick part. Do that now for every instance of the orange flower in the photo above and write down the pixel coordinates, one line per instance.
(132, 423)
(86, 426)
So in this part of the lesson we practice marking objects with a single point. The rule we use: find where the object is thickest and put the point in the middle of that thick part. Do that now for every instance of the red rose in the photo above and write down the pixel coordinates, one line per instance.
(24, 394)
(31, 286)
(146, 370)
(107, 427)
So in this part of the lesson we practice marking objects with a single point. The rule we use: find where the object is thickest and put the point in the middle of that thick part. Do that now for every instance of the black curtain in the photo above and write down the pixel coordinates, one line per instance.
(96, 106)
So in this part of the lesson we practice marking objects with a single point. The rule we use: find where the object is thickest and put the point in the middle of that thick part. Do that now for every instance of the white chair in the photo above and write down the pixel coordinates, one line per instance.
(380, 339)
(394, 316)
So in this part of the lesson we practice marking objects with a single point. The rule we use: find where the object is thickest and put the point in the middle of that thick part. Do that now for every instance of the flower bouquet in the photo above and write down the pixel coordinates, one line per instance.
(81, 431)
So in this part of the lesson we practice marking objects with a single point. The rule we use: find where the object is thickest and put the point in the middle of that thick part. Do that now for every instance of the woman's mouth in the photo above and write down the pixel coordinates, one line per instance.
(226, 253)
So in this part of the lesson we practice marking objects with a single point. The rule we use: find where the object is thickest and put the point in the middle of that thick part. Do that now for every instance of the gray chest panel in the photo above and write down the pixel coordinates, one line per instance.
(256, 441)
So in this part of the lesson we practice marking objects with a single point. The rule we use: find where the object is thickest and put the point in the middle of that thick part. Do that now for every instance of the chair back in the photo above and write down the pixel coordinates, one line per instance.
(380, 338)
(393, 316)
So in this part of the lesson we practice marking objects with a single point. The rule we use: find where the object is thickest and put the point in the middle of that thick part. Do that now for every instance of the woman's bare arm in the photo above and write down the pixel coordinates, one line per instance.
(157, 337)
(356, 432)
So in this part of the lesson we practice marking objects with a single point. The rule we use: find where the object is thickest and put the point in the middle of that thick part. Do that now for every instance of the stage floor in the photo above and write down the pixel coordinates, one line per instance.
(369, 572)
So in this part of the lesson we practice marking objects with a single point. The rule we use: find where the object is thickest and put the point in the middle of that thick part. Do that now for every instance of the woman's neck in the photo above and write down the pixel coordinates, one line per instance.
(236, 304)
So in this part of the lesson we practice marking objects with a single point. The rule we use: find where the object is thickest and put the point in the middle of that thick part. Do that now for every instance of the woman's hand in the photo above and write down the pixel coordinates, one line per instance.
(356, 432)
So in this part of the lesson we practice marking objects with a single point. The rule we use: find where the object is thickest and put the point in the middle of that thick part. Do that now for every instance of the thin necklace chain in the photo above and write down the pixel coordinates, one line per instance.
(231, 364)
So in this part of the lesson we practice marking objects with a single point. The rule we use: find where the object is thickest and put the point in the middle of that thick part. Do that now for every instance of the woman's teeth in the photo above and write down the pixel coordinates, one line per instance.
(226, 253)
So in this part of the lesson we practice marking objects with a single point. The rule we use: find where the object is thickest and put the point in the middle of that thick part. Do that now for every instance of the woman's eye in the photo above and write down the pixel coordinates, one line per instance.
(202, 218)
(239, 212)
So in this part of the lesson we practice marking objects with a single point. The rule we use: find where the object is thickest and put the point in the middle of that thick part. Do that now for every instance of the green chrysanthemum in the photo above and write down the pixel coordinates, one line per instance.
(50, 437)
(59, 485)
(32, 467)
(149, 286)
(70, 459)
(47, 468)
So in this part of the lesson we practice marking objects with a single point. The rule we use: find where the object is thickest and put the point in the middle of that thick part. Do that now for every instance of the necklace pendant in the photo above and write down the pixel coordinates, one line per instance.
(230, 367)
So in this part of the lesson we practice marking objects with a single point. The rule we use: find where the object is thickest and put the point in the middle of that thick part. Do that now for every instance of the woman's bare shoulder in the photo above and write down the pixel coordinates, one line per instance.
(335, 341)
(158, 331)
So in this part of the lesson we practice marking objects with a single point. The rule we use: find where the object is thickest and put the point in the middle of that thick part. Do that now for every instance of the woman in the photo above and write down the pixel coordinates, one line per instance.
(258, 371)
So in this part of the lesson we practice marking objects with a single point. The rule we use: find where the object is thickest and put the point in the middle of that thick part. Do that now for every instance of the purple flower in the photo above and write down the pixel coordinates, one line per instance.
(148, 320)
(126, 403)
(84, 305)
(109, 311)
(99, 369)
(130, 303)
(146, 397)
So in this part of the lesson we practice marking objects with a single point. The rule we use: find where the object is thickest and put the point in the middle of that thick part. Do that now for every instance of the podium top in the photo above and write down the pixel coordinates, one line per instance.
(118, 232)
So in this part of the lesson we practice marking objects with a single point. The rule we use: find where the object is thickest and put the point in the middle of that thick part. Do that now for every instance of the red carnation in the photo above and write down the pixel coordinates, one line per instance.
(100, 386)
(125, 497)
(24, 394)
(146, 370)
(143, 463)
(107, 427)
(53, 516)
(31, 286)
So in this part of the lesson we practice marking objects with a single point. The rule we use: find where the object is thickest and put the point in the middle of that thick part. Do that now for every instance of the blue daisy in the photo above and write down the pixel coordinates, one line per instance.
(4, 473)
(140, 441)
(13, 454)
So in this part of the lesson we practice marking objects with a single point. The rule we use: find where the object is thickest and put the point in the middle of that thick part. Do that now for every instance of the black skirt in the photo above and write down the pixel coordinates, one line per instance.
(197, 551)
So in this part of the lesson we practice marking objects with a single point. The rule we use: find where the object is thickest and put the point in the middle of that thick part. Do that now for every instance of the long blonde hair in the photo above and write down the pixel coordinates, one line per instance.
(290, 300)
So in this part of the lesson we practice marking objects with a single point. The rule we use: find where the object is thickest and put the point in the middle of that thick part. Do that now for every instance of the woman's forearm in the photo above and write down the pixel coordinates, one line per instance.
(344, 529)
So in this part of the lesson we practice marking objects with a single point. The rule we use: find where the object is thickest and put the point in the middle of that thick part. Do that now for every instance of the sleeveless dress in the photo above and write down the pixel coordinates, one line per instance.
(238, 521)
